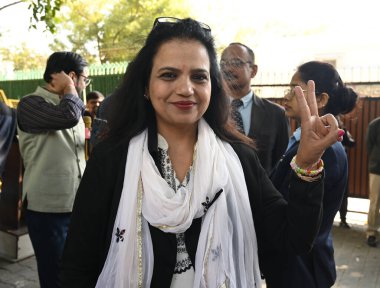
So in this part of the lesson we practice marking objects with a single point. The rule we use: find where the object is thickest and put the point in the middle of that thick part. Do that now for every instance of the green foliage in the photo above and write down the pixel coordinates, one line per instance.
(42, 11)
(45, 11)
(103, 31)
(23, 58)
(114, 30)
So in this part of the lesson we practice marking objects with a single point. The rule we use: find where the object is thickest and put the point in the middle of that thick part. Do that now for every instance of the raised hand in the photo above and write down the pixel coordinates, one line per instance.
(318, 133)
(62, 83)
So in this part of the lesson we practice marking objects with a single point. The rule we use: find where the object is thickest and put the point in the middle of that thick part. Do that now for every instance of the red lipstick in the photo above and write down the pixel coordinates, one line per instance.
(185, 105)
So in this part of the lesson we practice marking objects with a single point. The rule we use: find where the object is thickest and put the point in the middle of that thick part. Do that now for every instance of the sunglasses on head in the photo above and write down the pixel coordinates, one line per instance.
(173, 20)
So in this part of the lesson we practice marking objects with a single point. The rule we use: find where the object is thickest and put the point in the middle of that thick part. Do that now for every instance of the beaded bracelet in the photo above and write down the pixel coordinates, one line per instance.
(308, 178)
(308, 172)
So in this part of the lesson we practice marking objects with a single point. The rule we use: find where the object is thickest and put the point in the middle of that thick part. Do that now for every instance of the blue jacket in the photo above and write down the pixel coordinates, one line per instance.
(317, 268)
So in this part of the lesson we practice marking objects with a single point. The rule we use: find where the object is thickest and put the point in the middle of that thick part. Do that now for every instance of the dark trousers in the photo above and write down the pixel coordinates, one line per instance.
(48, 231)
(343, 205)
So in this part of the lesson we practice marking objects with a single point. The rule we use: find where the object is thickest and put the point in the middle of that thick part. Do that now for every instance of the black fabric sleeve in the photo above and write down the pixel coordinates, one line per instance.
(91, 226)
(280, 224)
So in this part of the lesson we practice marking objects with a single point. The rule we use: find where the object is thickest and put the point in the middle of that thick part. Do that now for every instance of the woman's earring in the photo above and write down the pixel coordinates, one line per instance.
(146, 97)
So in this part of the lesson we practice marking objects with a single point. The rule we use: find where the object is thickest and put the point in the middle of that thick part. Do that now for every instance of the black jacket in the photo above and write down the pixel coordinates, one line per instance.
(270, 129)
(317, 268)
(278, 224)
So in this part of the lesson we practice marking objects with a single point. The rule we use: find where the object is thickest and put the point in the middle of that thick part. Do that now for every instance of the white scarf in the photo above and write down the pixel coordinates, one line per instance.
(227, 250)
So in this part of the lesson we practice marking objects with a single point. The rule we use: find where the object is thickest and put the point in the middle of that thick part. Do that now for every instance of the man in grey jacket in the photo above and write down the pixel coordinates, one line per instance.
(51, 137)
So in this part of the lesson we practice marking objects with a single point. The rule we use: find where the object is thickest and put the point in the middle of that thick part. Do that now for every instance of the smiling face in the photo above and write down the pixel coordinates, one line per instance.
(179, 85)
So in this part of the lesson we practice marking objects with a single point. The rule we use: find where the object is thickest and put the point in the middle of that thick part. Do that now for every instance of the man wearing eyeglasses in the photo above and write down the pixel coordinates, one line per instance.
(51, 137)
(258, 118)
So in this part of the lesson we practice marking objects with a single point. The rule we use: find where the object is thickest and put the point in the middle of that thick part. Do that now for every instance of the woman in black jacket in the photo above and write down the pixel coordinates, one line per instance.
(176, 197)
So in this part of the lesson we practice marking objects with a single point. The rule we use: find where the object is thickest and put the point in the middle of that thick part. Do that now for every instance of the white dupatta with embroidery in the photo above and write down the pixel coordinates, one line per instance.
(227, 249)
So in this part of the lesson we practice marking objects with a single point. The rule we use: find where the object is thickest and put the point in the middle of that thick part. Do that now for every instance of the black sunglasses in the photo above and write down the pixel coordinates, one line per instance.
(173, 20)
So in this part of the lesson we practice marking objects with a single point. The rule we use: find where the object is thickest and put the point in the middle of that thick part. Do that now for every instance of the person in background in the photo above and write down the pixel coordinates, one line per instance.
(258, 118)
(99, 125)
(94, 98)
(373, 150)
(176, 196)
(316, 268)
(7, 133)
(51, 138)
(347, 142)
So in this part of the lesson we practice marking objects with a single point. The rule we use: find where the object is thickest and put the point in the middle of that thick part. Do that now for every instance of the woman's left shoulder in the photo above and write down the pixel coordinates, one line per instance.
(246, 153)
(242, 148)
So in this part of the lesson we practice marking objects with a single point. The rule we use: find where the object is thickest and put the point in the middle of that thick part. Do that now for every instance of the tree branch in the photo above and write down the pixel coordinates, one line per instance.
(10, 4)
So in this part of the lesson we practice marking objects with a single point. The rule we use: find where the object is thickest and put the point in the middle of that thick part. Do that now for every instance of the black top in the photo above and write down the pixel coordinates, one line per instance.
(277, 224)
(317, 268)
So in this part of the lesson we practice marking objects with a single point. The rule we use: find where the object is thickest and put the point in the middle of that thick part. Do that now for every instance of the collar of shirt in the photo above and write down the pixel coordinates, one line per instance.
(162, 144)
(296, 137)
(247, 99)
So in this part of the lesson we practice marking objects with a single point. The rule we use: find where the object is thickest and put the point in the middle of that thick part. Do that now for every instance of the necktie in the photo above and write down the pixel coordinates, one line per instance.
(236, 116)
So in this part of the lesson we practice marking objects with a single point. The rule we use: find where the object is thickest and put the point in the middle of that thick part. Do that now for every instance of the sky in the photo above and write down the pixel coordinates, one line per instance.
(283, 34)
(14, 27)
(335, 26)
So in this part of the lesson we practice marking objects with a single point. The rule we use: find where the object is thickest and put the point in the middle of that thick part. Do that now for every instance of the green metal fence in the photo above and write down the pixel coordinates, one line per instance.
(105, 84)
(15, 89)
(105, 78)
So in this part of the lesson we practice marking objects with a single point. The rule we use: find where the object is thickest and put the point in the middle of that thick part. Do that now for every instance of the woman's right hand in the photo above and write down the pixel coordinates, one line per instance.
(318, 133)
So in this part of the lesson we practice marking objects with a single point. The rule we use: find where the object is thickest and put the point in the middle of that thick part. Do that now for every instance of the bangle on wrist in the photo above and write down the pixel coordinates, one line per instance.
(308, 178)
(307, 172)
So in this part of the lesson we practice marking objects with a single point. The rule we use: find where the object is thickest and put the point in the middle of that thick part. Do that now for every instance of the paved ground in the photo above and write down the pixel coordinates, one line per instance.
(358, 265)
(19, 275)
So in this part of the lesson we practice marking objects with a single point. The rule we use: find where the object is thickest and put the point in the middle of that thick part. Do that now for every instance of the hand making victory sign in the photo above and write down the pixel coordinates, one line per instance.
(318, 133)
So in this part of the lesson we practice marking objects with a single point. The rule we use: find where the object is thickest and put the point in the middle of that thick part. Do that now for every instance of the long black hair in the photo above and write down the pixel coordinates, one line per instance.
(130, 112)
(342, 99)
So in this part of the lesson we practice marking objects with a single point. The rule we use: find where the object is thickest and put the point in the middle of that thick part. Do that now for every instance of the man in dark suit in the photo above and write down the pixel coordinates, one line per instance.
(260, 119)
